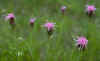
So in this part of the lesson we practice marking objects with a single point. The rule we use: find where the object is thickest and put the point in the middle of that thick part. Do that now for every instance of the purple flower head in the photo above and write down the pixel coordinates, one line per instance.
(82, 42)
(49, 26)
(32, 20)
(10, 16)
(90, 9)
(63, 8)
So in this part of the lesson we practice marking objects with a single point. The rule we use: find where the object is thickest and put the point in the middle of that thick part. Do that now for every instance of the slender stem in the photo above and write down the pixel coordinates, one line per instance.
(15, 5)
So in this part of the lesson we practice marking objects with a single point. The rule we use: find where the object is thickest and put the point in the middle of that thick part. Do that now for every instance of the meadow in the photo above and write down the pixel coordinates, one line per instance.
(25, 43)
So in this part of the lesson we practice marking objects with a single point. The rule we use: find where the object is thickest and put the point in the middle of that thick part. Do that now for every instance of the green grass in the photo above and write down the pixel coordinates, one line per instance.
(32, 44)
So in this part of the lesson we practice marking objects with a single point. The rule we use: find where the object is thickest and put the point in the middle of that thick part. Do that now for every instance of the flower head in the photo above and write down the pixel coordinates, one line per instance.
(90, 8)
(32, 20)
(82, 42)
(10, 16)
(49, 25)
(63, 8)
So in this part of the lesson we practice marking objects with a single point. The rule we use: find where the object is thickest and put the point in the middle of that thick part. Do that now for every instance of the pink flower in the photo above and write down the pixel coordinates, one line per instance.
(82, 42)
(49, 26)
(90, 9)
(63, 8)
(32, 20)
(10, 16)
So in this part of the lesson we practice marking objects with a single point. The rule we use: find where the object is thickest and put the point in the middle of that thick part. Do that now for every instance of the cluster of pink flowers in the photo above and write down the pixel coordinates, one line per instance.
(81, 42)
(48, 25)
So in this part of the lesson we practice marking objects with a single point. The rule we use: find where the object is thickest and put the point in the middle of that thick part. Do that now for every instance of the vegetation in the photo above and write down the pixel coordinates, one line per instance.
(25, 43)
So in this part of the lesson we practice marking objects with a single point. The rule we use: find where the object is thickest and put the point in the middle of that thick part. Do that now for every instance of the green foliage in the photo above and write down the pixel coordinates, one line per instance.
(32, 44)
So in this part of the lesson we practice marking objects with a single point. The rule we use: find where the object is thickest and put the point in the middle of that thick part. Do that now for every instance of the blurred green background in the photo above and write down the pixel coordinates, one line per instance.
(32, 44)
